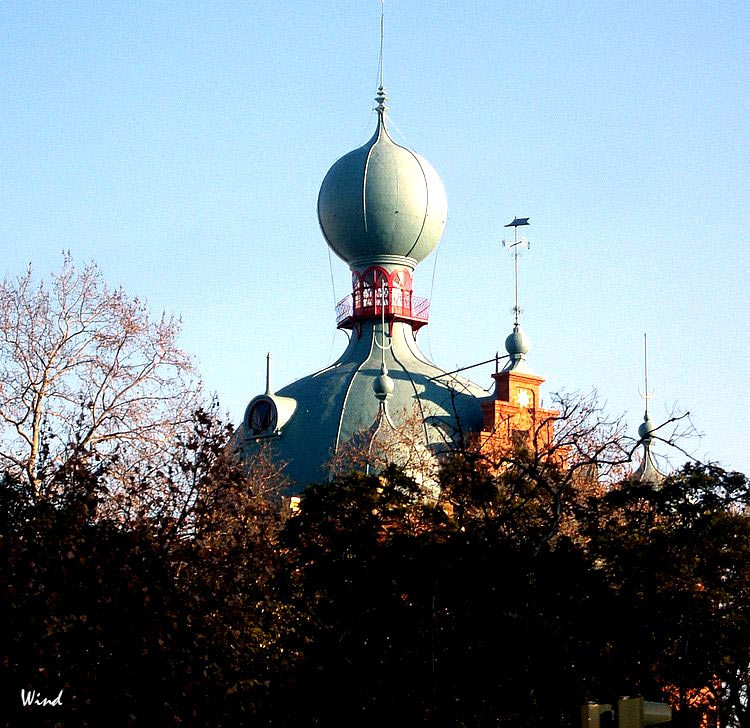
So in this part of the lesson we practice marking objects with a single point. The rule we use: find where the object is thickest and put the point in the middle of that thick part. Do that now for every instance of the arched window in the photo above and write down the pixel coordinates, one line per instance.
(400, 286)
(371, 290)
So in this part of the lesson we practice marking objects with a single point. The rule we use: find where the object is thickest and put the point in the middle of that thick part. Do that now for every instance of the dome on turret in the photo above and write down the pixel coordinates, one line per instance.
(382, 203)
(645, 429)
(382, 209)
(517, 343)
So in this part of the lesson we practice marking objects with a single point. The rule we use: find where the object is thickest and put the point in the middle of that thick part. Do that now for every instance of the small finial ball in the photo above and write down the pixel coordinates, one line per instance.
(383, 385)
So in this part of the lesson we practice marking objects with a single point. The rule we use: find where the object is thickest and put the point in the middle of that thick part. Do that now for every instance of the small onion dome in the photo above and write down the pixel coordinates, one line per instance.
(645, 429)
(383, 385)
(517, 344)
(382, 203)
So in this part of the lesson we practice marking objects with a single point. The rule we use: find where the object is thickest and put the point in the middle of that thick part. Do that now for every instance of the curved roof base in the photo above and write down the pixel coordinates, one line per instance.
(336, 404)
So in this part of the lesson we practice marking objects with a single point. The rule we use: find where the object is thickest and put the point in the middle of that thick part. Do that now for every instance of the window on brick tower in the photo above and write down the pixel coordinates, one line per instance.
(525, 397)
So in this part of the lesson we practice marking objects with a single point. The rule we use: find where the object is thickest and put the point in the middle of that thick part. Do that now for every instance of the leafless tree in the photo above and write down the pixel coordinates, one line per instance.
(84, 370)
(399, 441)
(573, 452)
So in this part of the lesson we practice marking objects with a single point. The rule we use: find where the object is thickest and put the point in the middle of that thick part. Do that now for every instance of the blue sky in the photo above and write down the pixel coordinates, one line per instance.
(181, 146)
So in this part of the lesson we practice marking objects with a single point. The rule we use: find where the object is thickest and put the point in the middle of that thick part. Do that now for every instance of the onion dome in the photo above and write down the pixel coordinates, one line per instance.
(517, 345)
(645, 429)
(382, 203)
(382, 209)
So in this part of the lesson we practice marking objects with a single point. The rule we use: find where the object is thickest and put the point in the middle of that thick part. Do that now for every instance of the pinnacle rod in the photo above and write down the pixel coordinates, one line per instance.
(515, 264)
(381, 71)
(645, 369)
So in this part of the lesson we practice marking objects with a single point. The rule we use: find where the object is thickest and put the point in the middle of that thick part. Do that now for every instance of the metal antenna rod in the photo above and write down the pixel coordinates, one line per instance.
(516, 309)
(645, 364)
(645, 369)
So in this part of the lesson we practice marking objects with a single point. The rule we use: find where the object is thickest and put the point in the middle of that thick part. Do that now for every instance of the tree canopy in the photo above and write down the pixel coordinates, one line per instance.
(155, 579)
(372, 603)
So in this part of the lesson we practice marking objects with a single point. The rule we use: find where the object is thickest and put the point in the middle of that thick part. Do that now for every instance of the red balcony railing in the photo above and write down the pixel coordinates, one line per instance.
(366, 303)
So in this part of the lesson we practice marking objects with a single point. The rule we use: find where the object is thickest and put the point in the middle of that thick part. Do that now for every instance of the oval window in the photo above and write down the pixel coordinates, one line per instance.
(261, 418)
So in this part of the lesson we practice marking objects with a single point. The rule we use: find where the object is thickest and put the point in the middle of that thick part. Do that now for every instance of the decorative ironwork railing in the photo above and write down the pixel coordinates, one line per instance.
(366, 303)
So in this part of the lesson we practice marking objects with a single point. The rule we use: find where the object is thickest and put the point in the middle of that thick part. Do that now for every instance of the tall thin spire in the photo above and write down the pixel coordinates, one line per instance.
(647, 426)
(647, 471)
(646, 395)
(381, 74)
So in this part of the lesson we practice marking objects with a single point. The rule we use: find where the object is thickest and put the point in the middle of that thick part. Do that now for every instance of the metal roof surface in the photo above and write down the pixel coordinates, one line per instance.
(337, 402)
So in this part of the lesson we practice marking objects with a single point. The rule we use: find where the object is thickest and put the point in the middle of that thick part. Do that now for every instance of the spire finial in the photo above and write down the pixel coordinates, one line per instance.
(380, 97)
(382, 42)
(517, 345)
(647, 426)
(648, 471)
(268, 373)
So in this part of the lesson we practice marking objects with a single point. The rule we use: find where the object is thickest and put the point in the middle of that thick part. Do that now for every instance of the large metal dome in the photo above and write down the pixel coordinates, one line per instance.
(382, 209)
(382, 203)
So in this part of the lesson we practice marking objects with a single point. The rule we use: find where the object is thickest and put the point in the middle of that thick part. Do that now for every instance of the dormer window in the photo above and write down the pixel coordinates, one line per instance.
(267, 414)
(261, 418)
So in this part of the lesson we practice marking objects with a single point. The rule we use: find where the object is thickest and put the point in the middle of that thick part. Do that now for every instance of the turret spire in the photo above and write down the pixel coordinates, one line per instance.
(647, 471)
(645, 429)
(645, 394)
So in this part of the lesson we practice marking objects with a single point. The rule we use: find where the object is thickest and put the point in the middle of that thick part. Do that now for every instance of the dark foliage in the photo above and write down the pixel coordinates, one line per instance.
(91, 609)
(677, 558)
(149, 622)
(420, 617)
(506, 601)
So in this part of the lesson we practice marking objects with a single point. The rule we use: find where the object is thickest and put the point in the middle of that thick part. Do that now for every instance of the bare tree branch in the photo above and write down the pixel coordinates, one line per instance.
(84, 367)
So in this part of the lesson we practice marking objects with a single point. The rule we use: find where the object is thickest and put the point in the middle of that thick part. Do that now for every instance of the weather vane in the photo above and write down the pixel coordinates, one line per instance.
(514, 246)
